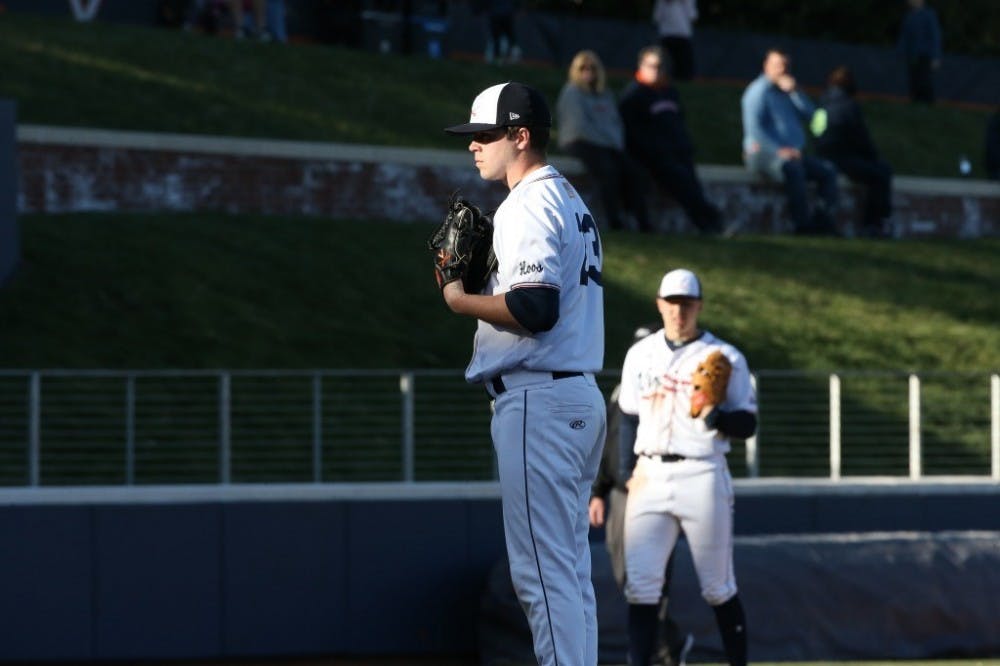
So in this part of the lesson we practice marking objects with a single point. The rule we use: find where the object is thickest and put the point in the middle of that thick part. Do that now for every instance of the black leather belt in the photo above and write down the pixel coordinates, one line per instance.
(666, 457)
(498, 387)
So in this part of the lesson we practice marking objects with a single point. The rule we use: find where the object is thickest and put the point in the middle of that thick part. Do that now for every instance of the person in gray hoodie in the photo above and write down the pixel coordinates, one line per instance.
(590, 129)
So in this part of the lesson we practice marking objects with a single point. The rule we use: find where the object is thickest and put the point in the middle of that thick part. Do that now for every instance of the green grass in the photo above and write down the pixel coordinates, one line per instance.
(205, 291)
(124, 77)
(211, 291)
(215, 291)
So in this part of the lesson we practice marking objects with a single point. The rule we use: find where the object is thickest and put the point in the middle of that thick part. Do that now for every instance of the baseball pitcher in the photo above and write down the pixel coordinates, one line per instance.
(539, 341)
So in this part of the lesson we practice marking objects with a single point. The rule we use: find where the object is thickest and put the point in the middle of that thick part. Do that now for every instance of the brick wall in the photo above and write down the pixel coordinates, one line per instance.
(71, 170)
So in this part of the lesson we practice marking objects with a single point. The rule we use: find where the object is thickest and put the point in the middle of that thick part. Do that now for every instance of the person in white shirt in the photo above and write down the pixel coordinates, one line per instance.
(674, 21)
(591, 130)
(539, 341)
(680, 479)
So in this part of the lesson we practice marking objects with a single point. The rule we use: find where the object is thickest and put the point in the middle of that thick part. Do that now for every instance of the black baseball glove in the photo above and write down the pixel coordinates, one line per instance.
(463, 246)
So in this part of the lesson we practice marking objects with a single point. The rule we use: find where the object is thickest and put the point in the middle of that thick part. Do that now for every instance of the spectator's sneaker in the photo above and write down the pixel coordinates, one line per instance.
(881, 231)
(732, 228)
(680, 659)
(675, 655)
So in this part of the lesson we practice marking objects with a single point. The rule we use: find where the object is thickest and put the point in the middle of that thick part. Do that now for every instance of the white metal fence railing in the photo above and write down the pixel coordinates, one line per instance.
(104, 427)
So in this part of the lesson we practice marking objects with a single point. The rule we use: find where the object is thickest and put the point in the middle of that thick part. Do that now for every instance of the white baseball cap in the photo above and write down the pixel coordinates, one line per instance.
(680, 283)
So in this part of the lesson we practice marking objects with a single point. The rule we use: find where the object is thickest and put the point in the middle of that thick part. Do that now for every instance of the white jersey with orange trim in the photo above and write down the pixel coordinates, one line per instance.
(681, 482)
(656, 386)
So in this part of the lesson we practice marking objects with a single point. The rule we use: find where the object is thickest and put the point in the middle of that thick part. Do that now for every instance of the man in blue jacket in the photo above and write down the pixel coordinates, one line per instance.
(774, 111)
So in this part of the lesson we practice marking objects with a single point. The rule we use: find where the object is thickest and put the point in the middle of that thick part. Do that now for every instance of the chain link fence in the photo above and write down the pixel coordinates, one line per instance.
(115, 428)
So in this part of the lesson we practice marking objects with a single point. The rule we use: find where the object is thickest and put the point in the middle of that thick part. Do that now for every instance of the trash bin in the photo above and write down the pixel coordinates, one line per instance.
(433, 31)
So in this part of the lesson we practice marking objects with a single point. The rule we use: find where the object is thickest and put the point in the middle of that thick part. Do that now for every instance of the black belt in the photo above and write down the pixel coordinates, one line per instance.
(665, 457)
(498, 387)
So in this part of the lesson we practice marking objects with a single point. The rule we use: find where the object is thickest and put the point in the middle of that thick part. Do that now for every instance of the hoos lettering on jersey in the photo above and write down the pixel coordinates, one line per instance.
(524, 268)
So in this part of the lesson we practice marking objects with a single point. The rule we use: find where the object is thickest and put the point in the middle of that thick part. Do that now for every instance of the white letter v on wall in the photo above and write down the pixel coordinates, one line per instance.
(85, 10)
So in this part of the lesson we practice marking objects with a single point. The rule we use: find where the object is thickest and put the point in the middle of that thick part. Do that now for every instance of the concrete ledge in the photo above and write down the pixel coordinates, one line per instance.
(432, 157)
(84, 169)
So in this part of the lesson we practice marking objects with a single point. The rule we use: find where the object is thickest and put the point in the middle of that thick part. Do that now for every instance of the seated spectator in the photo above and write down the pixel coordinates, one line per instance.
(993, 146)
(591, 130)
(276, 27)
(204, 15)
(657, 138)
(842, 137)
(242, 27)
(774, 140)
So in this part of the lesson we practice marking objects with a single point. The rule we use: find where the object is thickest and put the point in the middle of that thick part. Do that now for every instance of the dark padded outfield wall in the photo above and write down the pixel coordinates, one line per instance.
(866, 595)
(216, 572)
(10, 240)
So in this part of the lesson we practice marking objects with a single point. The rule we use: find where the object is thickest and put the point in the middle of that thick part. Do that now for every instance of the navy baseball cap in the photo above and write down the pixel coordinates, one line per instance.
(506, 105)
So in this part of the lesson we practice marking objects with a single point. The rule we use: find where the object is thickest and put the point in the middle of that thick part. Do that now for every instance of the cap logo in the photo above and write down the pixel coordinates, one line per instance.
(514, 116)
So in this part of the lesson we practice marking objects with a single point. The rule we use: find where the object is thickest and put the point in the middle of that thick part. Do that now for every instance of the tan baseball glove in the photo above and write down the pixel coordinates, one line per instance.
(709, 382)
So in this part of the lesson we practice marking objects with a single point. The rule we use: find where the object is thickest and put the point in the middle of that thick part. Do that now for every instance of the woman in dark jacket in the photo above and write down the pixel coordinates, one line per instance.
(842, 137)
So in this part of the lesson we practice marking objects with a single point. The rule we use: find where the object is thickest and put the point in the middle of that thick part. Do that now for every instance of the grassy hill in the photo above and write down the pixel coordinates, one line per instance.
(214, 291)
(204, 291)
(115, 76)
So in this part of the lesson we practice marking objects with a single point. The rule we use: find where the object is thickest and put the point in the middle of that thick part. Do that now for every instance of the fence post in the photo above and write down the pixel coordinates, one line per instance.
(406, 383)
(835, 427)
(130, 429)
(317, 428)
(34, 429)
(224, 428)
(915, 471)
(995, 424)
(753, 457)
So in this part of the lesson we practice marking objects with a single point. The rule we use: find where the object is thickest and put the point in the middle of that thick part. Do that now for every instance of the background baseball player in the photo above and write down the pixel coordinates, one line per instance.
(681, 480)
(607, 509)
(540, 339)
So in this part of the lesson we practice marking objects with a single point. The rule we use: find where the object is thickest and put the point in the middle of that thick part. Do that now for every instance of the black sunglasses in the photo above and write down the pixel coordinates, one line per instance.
(489, 136)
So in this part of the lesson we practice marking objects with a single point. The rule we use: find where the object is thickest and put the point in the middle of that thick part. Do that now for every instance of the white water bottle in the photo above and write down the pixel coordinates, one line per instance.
(964, 166)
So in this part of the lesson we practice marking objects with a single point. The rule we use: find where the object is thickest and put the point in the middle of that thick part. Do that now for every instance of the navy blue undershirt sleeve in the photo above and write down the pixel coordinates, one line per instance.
(627, 428)
(534, 308)
(738, 423)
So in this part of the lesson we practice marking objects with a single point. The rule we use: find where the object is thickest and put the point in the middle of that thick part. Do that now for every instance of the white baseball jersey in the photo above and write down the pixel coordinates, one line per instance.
(544, 236)
(548, 431)
(694, 494)
(656, 386)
